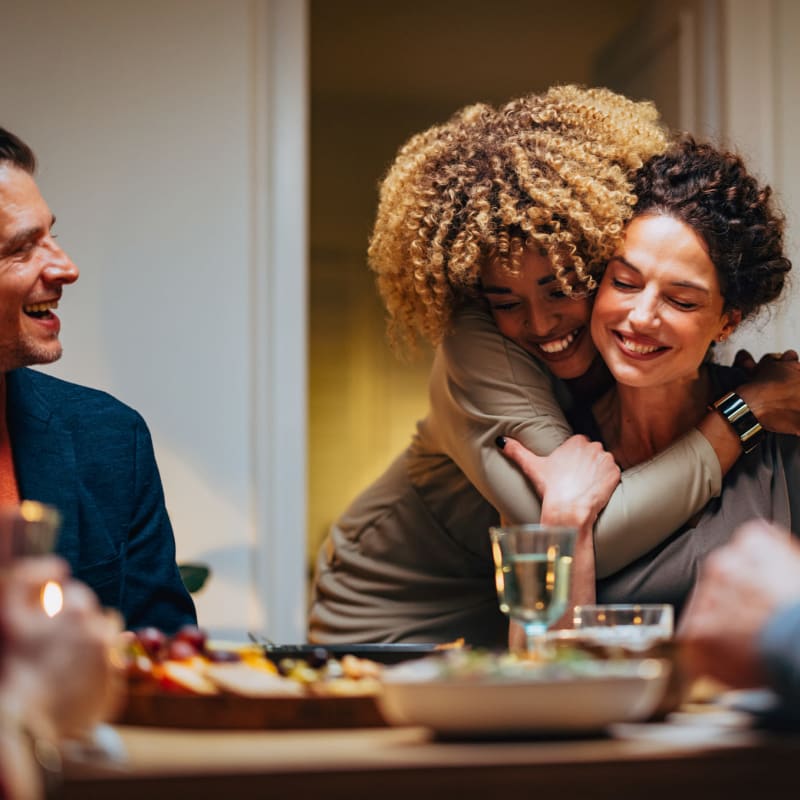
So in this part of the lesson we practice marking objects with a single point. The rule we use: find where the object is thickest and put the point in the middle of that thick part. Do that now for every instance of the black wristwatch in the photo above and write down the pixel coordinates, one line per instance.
(741, 419)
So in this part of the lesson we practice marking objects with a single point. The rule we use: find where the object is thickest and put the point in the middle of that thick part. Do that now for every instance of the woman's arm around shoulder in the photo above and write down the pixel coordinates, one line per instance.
(483, 386)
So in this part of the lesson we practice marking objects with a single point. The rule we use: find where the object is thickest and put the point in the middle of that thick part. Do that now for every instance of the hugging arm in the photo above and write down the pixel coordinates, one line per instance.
(484, 386)
(676, 474)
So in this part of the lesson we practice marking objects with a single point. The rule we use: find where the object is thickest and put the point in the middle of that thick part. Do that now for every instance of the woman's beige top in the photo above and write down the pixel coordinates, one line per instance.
(410, 558)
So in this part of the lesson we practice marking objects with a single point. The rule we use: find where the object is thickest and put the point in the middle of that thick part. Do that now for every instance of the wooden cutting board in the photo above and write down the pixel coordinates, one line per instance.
(228, 711)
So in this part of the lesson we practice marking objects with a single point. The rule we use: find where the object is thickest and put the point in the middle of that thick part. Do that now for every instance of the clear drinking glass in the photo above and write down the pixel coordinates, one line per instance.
(533, 568)
(630, 626)
(28, 529)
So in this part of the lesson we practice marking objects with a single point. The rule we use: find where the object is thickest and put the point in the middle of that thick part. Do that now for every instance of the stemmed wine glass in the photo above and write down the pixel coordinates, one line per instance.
(533, 567)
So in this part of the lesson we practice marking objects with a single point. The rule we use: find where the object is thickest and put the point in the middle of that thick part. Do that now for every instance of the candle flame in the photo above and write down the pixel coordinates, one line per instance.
(52, 598)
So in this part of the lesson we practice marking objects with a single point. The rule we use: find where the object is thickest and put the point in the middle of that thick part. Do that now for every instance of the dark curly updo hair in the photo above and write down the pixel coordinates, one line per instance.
(712, 192)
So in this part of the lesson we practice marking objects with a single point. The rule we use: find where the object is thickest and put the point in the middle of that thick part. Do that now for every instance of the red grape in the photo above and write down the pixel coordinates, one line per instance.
(153, 641)
(180, 650)
(192, 635)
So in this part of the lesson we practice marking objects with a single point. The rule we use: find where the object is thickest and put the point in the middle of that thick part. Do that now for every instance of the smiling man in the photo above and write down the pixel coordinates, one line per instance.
(73, 447)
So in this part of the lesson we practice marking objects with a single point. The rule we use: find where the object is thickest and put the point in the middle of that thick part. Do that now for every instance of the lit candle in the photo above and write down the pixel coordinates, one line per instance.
(52, 598)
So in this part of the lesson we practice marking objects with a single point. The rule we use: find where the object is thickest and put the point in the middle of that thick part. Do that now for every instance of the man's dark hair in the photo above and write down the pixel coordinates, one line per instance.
(14, 151)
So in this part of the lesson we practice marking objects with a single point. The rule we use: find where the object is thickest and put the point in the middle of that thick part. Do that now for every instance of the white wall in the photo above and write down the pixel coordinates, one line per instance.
(787, 123)
(165, 130)
(725, 69)
(762, 113)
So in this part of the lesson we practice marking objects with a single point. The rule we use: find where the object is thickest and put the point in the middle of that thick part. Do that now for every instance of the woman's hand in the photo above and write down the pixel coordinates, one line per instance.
(575, 481)
(772, 390)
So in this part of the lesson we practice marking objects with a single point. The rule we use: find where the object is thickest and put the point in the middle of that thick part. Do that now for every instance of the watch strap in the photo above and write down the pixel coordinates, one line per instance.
(741, 419)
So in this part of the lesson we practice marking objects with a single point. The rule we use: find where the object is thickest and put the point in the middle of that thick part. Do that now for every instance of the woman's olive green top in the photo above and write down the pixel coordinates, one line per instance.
(410, 559)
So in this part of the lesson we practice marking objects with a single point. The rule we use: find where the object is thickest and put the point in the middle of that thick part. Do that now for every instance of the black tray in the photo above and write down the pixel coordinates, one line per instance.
(384, 653)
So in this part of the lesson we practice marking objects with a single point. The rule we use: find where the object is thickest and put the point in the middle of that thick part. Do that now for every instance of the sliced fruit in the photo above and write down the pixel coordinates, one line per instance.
(244, 680)
(185, 676)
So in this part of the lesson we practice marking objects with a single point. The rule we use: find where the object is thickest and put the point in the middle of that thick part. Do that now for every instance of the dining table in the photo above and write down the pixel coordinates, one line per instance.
(706, 753)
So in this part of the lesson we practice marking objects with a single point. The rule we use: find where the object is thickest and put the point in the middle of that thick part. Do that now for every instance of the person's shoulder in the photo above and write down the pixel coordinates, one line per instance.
(68, 399)
(475, 347)
(471, 324)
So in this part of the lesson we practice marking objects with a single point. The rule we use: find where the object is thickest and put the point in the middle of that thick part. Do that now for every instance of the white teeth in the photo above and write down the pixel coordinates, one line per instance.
(558, 345)
(635, 347)
(35, 307)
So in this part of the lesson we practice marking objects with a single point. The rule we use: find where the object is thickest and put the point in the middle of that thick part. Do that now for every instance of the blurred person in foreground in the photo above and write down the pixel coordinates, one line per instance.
(75, 448)
(742, 624)
(57, 675)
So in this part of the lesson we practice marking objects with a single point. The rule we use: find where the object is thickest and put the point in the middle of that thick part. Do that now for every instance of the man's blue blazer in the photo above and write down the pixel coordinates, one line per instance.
(92, 457)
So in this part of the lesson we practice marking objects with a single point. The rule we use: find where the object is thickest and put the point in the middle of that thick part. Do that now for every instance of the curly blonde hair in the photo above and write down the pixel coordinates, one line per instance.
(549, 171)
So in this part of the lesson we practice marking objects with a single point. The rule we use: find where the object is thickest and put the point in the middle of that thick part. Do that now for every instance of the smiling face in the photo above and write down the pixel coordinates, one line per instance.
(33, 271)
(531, 309)
(659, 305)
